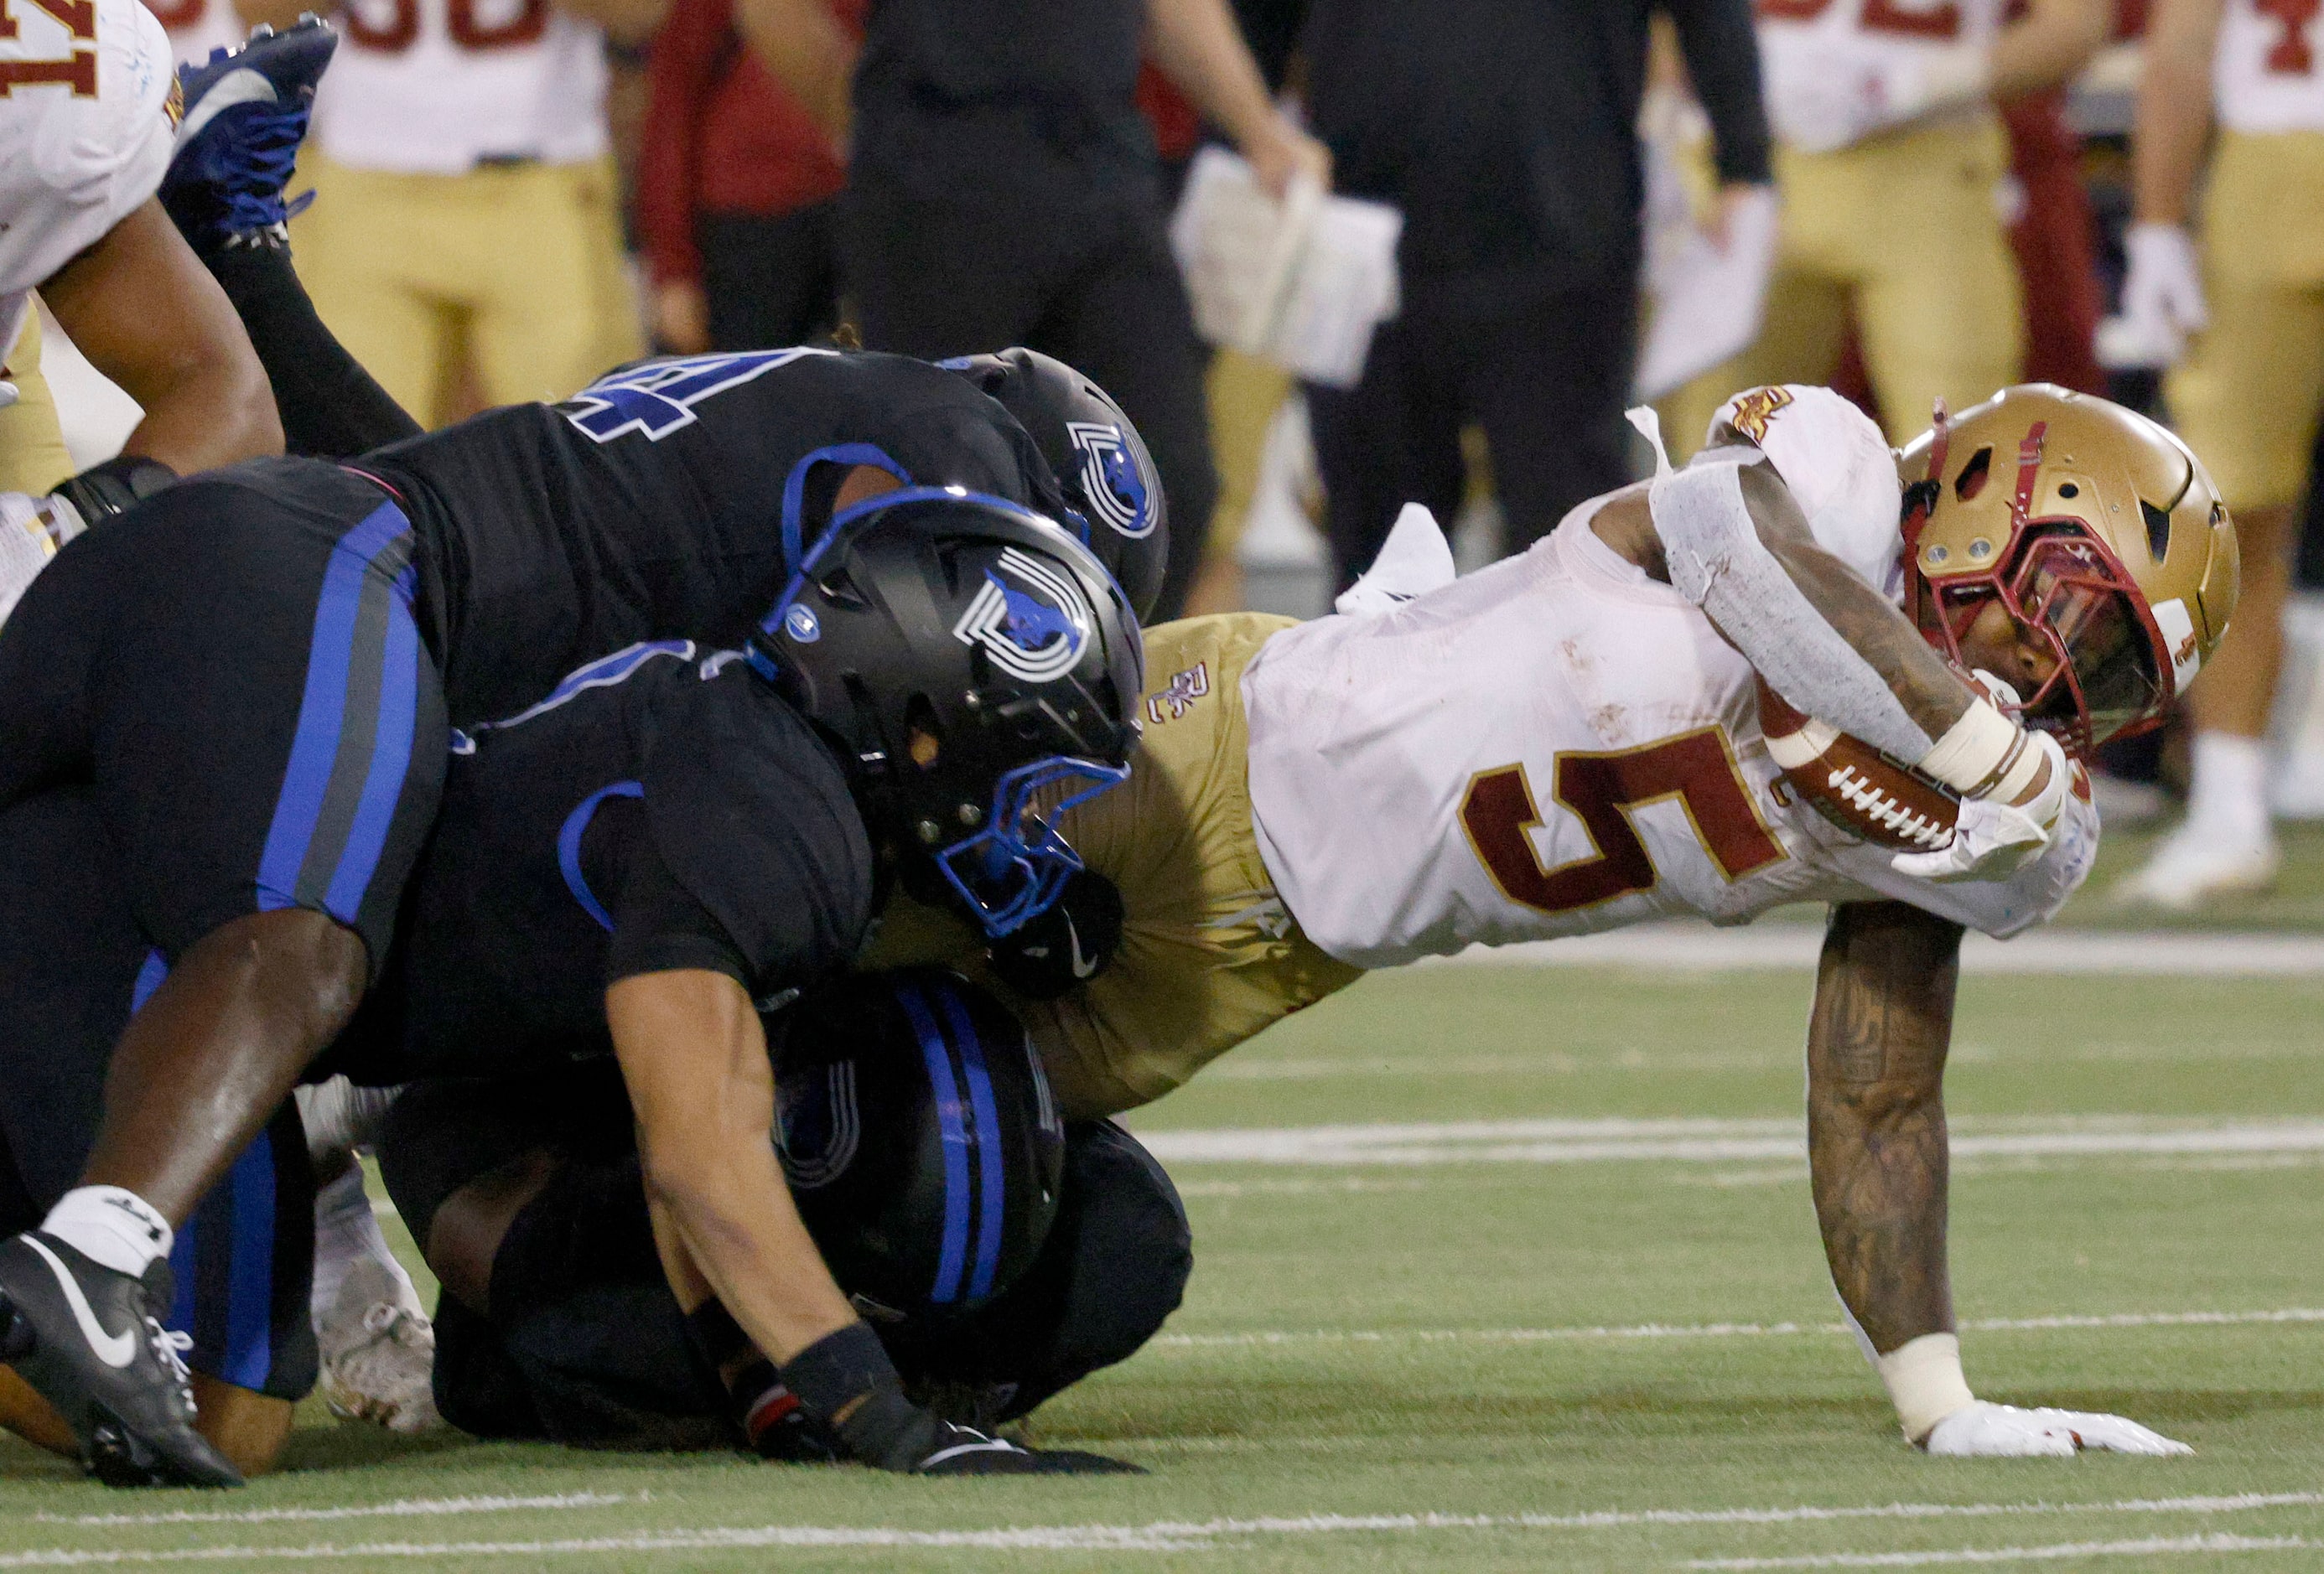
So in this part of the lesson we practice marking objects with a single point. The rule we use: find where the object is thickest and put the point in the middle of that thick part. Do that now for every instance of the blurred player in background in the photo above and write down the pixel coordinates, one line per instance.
(467, 214)
(738, 187)
(1003, 190)
(1508, 138)
(88, 117)
(1892, 164)
(2247, 303)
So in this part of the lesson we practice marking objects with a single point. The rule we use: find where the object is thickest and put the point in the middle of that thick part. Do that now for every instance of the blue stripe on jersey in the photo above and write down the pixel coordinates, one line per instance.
(149, 979)
(952, 1259)
(333, 661)
(602, 673)
(250, 1276)
(990, 1189)
(568, 848)
(391, 760)
(794, 489)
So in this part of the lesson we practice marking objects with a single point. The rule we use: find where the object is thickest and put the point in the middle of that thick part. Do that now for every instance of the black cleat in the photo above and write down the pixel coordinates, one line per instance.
(85, 1337)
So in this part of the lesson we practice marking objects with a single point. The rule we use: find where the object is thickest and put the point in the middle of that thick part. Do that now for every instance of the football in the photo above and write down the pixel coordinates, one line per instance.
(1866, 793)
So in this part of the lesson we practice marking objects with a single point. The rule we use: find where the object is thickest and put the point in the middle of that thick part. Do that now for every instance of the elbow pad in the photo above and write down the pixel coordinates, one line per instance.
(1718, 562)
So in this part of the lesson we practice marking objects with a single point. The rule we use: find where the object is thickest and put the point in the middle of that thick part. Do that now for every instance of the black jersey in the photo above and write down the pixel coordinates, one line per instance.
(669, 500)
(660, 810)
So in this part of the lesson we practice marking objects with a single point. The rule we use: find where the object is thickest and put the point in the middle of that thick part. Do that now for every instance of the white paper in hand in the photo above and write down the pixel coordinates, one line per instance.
(1709, 300)
(1302, 282)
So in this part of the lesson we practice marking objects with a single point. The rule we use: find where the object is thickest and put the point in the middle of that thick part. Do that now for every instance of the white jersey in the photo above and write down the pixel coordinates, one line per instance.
(2266, 74)
(86, 117)
(1555, 746)
(438, 87)
(1804, 46)
(198, 26)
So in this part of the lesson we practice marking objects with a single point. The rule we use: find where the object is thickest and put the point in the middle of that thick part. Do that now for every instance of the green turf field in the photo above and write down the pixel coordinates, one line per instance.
(1530, 1344)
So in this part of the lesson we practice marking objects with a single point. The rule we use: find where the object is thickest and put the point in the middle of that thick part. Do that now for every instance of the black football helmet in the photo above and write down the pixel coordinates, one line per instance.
(980, 670)
(919, 1138)
(1113, 494)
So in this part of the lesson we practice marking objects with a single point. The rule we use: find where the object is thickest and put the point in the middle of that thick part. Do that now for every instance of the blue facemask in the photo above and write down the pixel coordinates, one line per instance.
(1014, 869)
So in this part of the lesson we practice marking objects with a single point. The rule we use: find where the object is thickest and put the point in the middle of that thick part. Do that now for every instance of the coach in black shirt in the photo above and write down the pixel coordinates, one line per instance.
(1506, 131)
(1004, 189)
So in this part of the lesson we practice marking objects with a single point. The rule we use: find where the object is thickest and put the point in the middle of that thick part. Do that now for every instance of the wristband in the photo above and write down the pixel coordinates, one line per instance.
(102, 491)
(1925, 1381)
(1975, 750)
(852, 1368)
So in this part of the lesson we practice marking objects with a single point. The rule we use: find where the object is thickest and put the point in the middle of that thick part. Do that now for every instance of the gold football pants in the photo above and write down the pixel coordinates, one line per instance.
(1903, 235)
(521, 265)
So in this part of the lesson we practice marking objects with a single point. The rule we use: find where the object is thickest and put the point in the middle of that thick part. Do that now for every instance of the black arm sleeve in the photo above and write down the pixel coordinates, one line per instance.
(1722, 56)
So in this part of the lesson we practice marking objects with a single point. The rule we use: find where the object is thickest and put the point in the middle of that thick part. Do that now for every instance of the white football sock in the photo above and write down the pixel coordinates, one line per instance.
(2228, 795)
(346, 1231)
(108, 1225)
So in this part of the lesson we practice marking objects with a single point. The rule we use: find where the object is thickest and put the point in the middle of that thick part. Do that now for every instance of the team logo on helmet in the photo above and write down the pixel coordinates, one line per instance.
(1111, 480)
(1753, 411)
(820, 1125)
(1031, 619)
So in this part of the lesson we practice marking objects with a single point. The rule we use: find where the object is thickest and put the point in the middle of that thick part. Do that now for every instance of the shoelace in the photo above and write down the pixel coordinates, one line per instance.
(268, 152)
(169, 1347)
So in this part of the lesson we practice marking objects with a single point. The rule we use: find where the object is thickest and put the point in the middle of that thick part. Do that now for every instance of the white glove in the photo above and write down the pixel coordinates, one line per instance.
(1985, 1429)
(1992, 841)
(8, 393)
(2162, 291)
(1830, 97)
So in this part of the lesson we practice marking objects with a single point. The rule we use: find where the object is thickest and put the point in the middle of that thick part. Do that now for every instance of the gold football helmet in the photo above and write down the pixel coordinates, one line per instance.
(2097, 529)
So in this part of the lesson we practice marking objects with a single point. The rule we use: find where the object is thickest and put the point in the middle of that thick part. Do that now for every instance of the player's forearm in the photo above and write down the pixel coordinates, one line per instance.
(1877, 1144)
(151, 318)
(2175, 109)
(694, 1059)
(209, 415)
(809, 53)
(1198, 47)
(2049, 44)
(1932, 693)
(735, 1219)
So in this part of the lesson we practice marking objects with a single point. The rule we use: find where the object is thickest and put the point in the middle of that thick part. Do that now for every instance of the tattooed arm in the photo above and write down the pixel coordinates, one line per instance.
(1877, 1153)
(1877, 1158)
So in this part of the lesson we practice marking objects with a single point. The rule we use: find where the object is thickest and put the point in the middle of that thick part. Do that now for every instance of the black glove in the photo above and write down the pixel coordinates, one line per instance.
(1065, 946)
(888, 1431)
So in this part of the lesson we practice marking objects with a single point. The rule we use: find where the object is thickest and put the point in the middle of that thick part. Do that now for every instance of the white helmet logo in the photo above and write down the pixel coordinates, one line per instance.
(1031, 619)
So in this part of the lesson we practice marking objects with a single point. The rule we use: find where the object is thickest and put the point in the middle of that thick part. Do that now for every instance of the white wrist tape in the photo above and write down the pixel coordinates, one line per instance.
(1925, 1381)
(1718, 562)
(25, 546)
(1974, 755)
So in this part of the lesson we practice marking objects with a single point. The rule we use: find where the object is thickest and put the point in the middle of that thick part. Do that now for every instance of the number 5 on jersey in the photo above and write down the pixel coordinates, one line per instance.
(1698, 768)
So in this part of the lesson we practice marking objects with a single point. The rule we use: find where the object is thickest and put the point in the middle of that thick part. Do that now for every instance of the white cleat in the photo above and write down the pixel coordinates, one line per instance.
(379, 1352)
(2196, 865)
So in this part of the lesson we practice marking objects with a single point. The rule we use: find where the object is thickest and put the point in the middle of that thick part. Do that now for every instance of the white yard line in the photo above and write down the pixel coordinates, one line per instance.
(401, 1508)
(1166, 1535)
(1689, 1141)
(1787, 946)
(2146, 1547)
(1660, 1330)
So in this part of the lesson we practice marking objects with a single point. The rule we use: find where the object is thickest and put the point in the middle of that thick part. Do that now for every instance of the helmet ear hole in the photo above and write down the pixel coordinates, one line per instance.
(923, 734)
(2158, 529)
(1972, 478)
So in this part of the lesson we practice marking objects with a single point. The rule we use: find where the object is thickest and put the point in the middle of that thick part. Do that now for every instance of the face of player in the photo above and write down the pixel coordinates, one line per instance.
(2001, 645)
